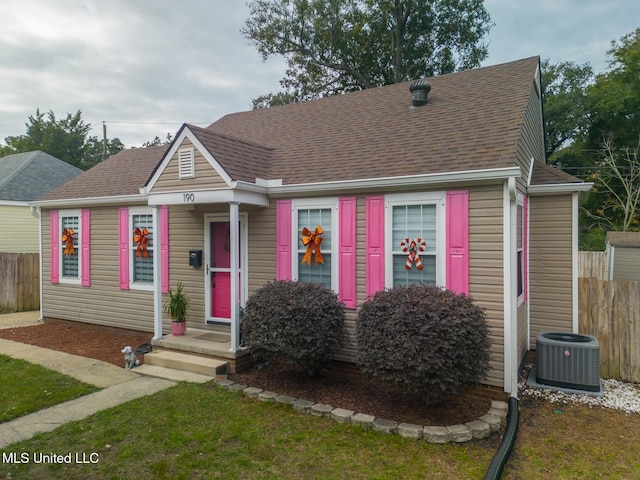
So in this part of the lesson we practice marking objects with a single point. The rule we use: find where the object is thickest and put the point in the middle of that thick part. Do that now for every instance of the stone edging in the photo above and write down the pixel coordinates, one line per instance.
(483, 427)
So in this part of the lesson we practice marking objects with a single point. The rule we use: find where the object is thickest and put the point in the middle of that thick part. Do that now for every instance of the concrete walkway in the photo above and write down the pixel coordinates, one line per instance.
(119, 385)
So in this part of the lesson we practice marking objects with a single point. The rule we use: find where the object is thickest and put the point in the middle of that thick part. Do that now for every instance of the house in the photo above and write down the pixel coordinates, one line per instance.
(622, 256)
(23, 178)
(460, 166)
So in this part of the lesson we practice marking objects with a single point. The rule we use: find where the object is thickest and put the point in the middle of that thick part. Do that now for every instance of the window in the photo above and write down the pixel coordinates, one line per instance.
(141, 246)
(315, 216)
(521, 241)
(186, 163)
(70, 246)
(415, 239)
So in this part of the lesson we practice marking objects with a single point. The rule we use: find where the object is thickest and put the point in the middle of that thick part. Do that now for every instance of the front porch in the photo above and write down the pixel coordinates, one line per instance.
(212, 344)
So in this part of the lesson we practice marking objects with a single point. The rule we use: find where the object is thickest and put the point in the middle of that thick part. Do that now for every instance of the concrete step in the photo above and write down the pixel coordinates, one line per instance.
(171, 374)
(185, 362)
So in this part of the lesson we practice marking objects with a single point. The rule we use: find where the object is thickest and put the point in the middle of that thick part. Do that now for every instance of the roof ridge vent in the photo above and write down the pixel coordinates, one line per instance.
(419, 92)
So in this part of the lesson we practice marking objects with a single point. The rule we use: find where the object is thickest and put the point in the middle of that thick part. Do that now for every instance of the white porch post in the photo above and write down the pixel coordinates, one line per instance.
(157, 276)
(234, 239)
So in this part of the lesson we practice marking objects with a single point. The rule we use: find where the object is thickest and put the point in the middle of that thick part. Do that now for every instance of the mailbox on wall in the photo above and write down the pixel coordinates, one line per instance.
(195, 258)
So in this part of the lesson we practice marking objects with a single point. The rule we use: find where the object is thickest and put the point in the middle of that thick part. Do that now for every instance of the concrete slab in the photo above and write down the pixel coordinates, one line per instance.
(20, 319)
(171, 374)
(88, 370)
(49, 419)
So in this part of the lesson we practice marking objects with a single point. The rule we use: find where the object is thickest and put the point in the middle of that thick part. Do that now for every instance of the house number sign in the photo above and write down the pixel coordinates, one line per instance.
(188, 197)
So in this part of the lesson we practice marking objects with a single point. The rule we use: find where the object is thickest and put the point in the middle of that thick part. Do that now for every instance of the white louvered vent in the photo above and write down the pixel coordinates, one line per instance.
(186, 164)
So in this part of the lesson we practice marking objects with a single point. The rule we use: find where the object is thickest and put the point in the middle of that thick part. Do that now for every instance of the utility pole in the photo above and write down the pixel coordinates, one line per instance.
(104, 141)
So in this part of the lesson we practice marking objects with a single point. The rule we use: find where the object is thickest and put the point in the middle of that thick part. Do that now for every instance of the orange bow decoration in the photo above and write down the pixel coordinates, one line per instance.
(67, 239)
(312, 241)
(140, 239)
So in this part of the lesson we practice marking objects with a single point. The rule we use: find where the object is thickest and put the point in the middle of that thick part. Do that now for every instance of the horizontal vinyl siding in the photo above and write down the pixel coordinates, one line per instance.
(205, 175)
(486, 268)
(550, 264)
(531, 143)
(103, 303)
(626, 263)
(18, 230)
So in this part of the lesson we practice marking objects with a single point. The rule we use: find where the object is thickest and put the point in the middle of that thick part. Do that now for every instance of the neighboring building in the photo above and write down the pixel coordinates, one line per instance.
(464, 171)
(623, 256)
(24, 177)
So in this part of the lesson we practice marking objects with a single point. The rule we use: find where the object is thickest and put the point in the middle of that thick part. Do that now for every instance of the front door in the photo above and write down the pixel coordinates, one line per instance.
(218, 268)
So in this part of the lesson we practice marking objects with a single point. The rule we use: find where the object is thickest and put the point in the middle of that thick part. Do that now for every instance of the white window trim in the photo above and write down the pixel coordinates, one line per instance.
(148, 286)
(190, 162)
(78, 235)
(426, 198)
(315, 203)
(520, 203)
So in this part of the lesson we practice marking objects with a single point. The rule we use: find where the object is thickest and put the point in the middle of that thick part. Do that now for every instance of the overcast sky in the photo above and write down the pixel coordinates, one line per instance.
(146, 67)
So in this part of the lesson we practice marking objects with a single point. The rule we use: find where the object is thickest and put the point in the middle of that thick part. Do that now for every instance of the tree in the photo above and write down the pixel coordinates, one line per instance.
(64, 138)
(337, 46)
(565, 102)
(157, 142)
(618, 181)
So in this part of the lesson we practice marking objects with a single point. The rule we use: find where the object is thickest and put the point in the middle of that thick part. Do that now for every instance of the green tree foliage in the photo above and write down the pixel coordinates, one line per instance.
(565, 102)
(66, 138)
(337, 46)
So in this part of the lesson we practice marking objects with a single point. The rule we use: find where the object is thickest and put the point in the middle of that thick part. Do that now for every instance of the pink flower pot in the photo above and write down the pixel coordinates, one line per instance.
(178, 328)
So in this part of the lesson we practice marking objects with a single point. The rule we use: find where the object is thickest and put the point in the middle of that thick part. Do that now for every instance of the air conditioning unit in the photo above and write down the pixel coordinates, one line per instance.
(568, 360)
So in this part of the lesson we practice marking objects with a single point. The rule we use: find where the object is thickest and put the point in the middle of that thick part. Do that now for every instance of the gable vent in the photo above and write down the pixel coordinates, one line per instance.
(419, 91)
(186, 163)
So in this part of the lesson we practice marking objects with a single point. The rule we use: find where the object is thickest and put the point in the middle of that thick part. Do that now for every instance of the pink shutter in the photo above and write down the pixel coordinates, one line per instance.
(283, 240)
(374, 245)
(54, 229)
(85, 238)
(457, 245)
(347, 251)
(164, 247)
(525, 247)
(123, 229)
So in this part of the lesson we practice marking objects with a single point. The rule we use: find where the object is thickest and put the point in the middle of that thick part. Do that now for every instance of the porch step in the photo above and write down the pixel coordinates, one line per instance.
(171, 374)
(185, 362)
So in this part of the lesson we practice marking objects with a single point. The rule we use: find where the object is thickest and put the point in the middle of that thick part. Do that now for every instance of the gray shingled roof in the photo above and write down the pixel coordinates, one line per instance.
(123, 174)
(473, 120)
(624, 239)
(544, 174)
(25, 177)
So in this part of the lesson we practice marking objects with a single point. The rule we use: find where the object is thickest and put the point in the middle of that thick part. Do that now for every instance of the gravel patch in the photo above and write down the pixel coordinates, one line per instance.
(616, 395)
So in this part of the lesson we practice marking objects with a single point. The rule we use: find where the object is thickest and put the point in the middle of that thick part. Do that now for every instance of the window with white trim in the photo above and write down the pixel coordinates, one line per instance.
(319, 218)
(415, 239)
(186, 163)
(142, 247)
(70, 246)
(520, 219)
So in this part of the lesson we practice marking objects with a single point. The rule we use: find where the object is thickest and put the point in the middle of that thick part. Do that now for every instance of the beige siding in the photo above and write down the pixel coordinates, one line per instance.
(205, 175)
(531, 143)
(626, 263)
(103, 303)
(19, 230)
(550, 263)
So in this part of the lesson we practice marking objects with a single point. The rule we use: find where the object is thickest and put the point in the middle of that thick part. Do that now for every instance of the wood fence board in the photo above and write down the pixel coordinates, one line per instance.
(19, 281)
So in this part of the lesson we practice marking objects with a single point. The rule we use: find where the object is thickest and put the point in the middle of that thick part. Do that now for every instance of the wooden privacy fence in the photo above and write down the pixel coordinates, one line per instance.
(610, 311)
(591, 264)
(19, 282)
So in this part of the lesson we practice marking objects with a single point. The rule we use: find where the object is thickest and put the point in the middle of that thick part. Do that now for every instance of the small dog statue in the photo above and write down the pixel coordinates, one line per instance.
(130, 358)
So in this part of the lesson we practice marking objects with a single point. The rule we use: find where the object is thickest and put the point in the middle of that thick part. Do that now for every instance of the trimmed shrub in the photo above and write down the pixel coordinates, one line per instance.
(302, 323)
(426, 339)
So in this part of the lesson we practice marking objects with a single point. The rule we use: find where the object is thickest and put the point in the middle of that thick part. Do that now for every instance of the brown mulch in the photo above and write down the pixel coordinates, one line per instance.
(344, 387)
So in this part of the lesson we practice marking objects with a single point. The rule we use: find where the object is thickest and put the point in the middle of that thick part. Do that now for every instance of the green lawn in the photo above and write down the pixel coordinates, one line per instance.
(193, 431)
(26, 388)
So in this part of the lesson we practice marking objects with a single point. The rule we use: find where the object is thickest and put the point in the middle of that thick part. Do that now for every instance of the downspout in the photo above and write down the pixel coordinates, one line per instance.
(234, 240)
(37, 213)
(157, 279)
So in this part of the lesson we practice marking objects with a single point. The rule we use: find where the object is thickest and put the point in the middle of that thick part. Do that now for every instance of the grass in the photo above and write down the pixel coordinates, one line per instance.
(27, 388)
(195, 431)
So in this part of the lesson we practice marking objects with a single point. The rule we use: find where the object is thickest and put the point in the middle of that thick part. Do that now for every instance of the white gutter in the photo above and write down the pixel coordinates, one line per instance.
(559, 188)
(510, 311)
(404, 181)
(87, 201)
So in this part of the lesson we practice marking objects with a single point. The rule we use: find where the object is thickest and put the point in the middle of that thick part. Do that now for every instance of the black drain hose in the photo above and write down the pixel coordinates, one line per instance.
(509, 438)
